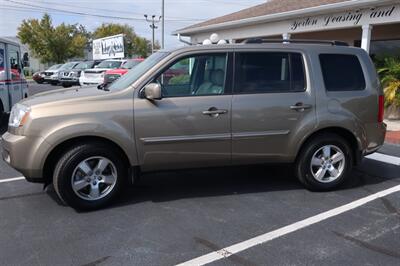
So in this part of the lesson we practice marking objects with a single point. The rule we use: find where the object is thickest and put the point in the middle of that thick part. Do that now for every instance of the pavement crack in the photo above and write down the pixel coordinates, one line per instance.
(97, 262)
(369, 246)
(225, 253)
(387, 204)
(22, 196)
(389, 207)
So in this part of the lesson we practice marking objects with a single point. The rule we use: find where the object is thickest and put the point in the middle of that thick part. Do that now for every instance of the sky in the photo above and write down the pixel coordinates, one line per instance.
(178, 13)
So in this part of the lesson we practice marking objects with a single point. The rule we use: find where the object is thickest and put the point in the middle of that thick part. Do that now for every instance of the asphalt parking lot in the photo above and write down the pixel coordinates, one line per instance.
(175, 217)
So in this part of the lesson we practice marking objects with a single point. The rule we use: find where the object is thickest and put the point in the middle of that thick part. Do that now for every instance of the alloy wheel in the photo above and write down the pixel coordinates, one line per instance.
(94, 178)
(327, 163)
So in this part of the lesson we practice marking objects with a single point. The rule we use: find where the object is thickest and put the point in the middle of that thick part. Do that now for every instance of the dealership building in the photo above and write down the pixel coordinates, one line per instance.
(373, 25)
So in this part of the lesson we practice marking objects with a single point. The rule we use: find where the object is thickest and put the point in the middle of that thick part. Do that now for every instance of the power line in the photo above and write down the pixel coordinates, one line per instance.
(113, 10)
(87, 14)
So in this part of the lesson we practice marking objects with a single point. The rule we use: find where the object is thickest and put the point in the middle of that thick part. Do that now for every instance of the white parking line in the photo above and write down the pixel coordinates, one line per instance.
(384, 158)
(261, 239)
(12, 179)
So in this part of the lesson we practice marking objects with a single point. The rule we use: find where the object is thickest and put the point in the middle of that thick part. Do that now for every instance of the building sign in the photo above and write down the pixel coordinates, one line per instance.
(348, 19)
(108, 47)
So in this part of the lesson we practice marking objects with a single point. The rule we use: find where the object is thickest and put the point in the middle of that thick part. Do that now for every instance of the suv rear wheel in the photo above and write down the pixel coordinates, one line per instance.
(324, 162)
(89, 176)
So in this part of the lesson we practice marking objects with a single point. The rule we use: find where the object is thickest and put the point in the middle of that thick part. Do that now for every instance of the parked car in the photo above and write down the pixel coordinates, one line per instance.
(47, 74)
(95, 76)
(318, 106)
(64, 68)
(38, 77)
(71, 77)
(114, 74)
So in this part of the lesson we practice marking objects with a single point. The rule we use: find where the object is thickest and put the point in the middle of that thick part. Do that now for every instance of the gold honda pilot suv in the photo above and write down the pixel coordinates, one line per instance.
(318, 105)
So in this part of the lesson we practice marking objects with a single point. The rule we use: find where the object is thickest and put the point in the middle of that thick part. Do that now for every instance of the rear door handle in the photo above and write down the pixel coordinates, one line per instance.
(300, 107)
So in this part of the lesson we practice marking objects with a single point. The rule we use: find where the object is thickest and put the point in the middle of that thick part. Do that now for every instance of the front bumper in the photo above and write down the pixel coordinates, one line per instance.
(70, 81)
(25, 154)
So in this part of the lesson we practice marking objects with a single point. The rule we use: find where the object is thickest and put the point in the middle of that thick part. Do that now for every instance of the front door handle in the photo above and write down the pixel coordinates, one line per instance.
(214, 112)
(300, 107)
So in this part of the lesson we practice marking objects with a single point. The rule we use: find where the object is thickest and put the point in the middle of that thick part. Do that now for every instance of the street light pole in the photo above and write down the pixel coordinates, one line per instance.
(162, 23)
(153, 26)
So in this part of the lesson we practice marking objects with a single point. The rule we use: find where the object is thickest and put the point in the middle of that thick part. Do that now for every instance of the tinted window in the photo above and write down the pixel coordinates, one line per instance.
(1, 59)
(297, 72)
(342, 72)
(84, 65)
(68, 65)
(263, 72)
(109, 64)
(196, 75)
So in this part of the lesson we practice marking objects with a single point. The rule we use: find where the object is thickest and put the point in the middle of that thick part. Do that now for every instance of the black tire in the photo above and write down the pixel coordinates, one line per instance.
(303, 162)
(63, 174)
(54, 83)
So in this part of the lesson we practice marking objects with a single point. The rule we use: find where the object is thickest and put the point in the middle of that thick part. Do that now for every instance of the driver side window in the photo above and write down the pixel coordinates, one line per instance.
(195, 75)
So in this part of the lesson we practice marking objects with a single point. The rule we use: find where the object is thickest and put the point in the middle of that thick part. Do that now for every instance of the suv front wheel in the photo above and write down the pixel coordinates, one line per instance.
(324, 163)
(89, 176)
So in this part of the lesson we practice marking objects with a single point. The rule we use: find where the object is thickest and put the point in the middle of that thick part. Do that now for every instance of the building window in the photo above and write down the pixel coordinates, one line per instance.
(269, 72)
(342, 72)
(385, 48)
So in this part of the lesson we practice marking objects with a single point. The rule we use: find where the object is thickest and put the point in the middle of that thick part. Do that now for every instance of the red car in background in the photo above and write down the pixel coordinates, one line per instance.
(114, 74)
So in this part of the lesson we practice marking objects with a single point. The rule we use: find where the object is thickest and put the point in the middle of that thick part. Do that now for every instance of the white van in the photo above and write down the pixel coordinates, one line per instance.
(13, 85)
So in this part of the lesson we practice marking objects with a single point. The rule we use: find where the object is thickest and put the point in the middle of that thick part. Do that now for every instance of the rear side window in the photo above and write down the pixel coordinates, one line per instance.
(269, 72)
(342, 72)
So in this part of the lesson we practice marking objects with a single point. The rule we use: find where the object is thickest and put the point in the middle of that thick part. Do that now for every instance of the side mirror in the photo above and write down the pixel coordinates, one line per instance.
(152, 91)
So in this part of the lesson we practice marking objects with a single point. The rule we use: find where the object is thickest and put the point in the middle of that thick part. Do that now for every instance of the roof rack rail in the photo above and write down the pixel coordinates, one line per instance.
(305, 41)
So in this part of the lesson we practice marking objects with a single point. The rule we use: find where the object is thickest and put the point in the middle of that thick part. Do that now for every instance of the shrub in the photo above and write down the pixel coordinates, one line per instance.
(389, 73)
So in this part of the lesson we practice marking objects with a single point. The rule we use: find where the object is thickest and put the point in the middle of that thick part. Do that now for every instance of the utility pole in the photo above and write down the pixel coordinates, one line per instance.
(153, 26)
(162, 23)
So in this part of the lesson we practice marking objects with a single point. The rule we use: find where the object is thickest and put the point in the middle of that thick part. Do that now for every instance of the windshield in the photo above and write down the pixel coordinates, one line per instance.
(54, 67)
(130, 64)
(138, 71)
(84, 65)
(109, 64)
(68, 65)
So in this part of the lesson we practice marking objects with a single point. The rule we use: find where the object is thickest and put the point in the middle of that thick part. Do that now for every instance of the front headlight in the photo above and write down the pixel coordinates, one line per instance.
(18, 115)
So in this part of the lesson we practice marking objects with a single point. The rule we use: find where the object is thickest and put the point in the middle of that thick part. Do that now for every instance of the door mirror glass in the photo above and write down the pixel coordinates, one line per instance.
(152, 91)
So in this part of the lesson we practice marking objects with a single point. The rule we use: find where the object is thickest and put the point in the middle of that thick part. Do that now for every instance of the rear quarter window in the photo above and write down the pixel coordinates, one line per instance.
(342, 72)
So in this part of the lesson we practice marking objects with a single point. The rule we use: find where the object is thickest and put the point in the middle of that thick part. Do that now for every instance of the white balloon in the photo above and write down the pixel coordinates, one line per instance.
(214, 38)
(222, 42)
(207, 41)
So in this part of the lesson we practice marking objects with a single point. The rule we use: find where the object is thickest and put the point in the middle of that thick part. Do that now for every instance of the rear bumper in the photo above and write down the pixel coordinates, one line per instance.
(375, 137)
(25, 154)
(91, 81)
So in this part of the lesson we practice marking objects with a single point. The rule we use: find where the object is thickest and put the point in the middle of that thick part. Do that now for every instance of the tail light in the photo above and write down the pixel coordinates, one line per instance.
(381, 109)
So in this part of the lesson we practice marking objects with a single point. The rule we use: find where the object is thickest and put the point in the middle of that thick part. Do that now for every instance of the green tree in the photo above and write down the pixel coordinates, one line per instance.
(53, 44)
(134, 44)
